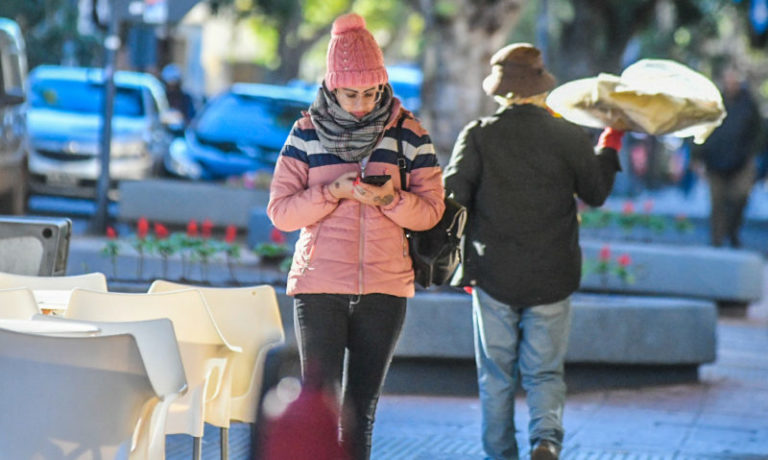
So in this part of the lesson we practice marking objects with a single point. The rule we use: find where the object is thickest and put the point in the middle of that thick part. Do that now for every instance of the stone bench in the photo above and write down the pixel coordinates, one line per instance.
(606, 329)
(176, 202)
(723, 275)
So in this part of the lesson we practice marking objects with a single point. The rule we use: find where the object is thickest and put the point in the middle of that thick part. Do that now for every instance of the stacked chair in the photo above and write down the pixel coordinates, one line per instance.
(95, 281)
(94, 397)
(148, 364)
(250, 318)
(205, 352)
(17, 303)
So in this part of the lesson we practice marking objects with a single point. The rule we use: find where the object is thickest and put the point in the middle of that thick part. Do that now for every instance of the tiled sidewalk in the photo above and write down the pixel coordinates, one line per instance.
(723, 416)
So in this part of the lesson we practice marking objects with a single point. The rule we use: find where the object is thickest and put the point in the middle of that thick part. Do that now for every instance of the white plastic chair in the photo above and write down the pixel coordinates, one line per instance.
(250, 318)
(205, 352)
(159, 350)
(71, 397)
(17, 303)
(52, 292)
(95, 281)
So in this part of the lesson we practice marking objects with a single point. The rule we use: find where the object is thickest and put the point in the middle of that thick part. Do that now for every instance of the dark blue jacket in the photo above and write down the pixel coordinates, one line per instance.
(736, 140)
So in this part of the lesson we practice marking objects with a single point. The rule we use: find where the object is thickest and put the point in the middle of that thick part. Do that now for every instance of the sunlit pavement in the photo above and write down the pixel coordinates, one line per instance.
(722, 416)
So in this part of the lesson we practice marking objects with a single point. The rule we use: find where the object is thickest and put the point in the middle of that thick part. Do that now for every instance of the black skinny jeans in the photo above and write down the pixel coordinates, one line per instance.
(367, 327)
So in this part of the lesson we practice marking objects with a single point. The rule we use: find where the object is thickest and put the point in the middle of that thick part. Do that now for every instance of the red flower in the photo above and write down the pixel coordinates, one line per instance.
(230, 234)
(648, 206)
(207, 228)
(277, 236)
(628, 208)
(161, 231)
(111, 233)
(192, 228)
(624, 260)
(605, 253)
(142, 227)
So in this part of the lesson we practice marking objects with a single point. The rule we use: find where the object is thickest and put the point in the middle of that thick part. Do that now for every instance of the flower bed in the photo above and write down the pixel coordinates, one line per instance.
(195, 248)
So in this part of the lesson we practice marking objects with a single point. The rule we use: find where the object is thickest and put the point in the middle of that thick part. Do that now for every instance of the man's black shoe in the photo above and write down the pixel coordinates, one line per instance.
(545, 450)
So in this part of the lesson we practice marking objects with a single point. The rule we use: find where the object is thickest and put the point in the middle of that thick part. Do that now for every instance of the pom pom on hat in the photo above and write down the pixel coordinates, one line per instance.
(347, 22)
(354, 58)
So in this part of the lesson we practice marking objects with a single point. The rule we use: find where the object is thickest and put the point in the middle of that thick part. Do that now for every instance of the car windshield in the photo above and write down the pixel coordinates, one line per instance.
(248, 119)
(84, 97)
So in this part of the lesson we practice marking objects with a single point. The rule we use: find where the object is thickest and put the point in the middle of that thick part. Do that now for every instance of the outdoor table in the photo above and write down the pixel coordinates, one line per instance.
(41, 326)
(52, 301)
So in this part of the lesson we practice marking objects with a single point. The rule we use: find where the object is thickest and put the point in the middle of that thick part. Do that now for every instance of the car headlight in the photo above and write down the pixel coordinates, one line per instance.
(177, 161)
(134, 148)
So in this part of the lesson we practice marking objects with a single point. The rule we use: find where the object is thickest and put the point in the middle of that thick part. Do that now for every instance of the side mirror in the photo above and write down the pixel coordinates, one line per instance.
(7, 99)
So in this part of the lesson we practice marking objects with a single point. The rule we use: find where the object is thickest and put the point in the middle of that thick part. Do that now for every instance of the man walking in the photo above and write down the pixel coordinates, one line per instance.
(517, 172)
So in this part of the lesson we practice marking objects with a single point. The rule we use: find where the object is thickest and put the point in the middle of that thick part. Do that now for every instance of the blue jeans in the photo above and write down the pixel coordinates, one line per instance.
(367, 328)
(530, 342)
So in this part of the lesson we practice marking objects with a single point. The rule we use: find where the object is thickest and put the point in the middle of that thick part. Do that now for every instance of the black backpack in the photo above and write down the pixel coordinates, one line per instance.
(435, 252)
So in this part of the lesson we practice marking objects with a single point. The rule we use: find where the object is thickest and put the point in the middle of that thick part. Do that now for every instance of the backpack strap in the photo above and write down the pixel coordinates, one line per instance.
(402, 164)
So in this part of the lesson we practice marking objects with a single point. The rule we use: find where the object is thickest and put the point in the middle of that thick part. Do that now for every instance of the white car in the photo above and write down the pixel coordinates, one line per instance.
(65, 119)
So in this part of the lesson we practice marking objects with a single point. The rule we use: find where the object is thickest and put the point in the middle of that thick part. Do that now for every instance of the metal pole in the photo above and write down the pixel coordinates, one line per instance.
(542, 32)
(111, 45)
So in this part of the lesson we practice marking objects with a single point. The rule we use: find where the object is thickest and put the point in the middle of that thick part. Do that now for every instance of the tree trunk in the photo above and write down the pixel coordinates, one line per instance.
(458, 48)
(291, 47)
(596, 38)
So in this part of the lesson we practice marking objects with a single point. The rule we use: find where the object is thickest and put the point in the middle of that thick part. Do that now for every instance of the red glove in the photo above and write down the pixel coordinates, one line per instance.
(611, 138)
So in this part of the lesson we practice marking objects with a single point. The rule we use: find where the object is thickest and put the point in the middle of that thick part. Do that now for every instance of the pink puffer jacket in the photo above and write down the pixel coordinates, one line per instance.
(347, 247)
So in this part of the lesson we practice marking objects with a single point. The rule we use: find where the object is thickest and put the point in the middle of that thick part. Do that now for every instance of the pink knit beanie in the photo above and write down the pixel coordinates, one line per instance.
(354, 58)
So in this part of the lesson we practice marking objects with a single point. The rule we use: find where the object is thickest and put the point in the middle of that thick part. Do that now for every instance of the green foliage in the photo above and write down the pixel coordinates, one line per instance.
(605, 267)
(266, 33)
(271, 250)
(49, 28)
(599, 219)
(111, 249)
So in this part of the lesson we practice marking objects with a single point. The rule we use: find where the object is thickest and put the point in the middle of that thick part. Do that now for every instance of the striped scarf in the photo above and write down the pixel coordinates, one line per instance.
(343, 134)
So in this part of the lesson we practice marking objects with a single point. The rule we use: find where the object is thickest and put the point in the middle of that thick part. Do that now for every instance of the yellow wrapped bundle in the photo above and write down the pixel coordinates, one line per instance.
(652, 96)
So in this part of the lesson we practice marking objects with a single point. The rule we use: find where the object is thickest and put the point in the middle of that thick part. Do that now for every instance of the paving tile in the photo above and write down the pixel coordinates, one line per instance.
(723, 416)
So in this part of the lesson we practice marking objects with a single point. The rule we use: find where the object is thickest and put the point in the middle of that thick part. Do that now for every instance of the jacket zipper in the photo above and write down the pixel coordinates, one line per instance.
(360, 239)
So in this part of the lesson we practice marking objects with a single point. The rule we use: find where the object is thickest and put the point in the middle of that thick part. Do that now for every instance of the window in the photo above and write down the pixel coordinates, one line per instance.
(242, 118)
(84, 97)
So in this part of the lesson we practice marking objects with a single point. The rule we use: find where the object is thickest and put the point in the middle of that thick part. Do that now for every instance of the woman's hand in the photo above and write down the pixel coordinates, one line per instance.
(374, 195)
(342, 188)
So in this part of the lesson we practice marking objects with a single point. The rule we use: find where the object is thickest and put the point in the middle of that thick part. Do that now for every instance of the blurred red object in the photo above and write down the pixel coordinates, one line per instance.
(192, 231)
(277, 236)
(207, 228)
(230, 234)
(142, 227)
(161, 231)
(306, 430)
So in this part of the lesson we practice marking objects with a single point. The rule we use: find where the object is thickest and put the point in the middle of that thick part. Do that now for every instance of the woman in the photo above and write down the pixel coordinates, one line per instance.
(351, 272)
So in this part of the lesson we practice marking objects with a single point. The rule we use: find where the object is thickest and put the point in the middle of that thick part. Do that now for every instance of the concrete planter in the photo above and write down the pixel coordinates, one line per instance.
(605, 329)
(722, 275)
(176, 202)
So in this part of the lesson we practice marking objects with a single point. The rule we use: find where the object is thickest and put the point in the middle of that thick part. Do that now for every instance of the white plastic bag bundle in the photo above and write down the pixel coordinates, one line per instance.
(652, 96)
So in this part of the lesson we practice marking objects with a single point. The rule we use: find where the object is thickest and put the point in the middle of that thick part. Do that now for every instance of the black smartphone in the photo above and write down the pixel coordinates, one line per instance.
(376, 180)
